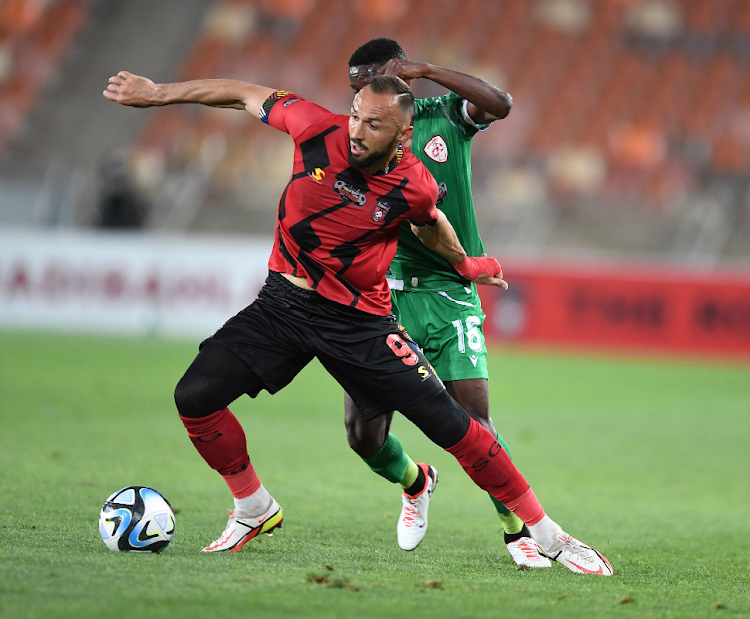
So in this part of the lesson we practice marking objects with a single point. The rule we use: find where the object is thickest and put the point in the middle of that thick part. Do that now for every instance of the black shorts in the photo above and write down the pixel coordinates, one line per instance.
(371, 357)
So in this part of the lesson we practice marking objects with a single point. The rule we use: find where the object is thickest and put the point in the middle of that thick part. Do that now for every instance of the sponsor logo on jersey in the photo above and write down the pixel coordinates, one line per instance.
(436, 149)
(317, 175)
(291, 100)
(380, 211)
(350, 194)
(424, 373)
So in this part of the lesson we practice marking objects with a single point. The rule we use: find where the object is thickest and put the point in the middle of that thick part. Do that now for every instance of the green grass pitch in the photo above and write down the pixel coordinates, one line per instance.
(647, 460)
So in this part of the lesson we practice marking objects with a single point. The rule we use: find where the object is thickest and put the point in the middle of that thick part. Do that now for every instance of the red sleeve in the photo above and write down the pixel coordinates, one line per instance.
(291, 113)
(425, 213)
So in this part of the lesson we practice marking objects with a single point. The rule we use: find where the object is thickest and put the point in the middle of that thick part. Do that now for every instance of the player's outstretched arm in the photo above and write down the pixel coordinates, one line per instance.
(486, 102)
(136, 91)
(442, 239)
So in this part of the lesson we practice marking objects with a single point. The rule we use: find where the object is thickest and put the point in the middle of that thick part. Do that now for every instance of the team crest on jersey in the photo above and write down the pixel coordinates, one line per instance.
(436, 149)
(380, 211)
(350, 194)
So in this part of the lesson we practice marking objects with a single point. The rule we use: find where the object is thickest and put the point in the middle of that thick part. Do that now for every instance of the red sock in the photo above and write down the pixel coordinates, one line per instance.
(489, 465)
(527, 507)
(220, 440)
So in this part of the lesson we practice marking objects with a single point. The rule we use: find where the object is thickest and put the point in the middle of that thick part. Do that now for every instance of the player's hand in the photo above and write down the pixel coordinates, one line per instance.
(133, 90)
(484, 271)
(489, 280)
(405, 69)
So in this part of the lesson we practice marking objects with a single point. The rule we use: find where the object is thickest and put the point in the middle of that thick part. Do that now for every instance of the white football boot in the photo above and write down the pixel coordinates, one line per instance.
(525, 553)
(578, 557)
(241, 528)
(565, 549)
(412, 523)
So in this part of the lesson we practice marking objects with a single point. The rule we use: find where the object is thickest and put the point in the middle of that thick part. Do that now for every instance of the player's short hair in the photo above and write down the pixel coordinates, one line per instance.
(377, 51)
(392, 85)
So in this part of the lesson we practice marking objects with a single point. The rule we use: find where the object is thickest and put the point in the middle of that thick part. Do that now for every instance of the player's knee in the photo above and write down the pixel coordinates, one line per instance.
(473, 397)
(482, 418)
(479, 412)
(364, 437)
(364, 443)
(354, 439)
(191, 395)
(441, 419)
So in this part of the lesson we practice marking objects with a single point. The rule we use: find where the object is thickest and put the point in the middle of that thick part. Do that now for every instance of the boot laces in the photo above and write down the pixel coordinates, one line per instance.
(528, 548)
(577, 549)
(411, 513)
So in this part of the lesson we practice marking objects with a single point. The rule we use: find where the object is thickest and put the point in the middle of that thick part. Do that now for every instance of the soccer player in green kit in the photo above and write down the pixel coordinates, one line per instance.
(440, 310)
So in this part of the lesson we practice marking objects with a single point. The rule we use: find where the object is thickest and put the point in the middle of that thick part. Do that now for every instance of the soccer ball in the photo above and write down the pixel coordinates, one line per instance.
(136, 519)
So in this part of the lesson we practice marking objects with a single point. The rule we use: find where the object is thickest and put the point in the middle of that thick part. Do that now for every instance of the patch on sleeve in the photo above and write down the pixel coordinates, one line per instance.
(268, 104)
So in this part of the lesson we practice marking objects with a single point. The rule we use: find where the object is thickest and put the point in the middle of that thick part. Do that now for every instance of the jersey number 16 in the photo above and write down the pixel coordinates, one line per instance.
(471, 336)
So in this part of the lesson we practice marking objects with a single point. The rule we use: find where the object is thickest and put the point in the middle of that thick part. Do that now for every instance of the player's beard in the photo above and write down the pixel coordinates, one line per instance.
(367, 159)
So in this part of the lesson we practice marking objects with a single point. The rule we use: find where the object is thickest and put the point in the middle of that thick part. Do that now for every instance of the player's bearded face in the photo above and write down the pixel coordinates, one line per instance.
(375, 129)
(367, 158)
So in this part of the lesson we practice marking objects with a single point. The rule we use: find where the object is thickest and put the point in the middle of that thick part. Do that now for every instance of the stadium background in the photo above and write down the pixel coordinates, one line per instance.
(616, 195)
(621, 173)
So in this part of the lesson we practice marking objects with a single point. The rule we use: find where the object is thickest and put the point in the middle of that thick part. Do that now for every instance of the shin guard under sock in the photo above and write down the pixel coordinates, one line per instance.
(489, 465)
(512, 524)
(503, 511)
(220, 440)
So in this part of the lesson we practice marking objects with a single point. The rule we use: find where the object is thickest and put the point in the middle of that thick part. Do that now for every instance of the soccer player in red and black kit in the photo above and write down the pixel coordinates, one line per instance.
(352, 185)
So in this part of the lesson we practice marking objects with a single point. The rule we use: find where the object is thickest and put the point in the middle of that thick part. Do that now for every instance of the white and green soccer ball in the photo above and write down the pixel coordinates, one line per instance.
(136, 519)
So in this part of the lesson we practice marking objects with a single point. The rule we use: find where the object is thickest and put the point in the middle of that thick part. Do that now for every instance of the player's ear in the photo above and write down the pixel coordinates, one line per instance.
(406, 133)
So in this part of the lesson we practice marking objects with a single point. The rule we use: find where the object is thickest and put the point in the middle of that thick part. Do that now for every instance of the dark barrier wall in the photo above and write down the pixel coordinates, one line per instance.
(649, 309)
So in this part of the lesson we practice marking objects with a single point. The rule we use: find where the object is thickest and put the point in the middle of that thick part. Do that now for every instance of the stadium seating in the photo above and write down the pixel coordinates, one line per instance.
(34, 37)
(628, 104)
(655, 93)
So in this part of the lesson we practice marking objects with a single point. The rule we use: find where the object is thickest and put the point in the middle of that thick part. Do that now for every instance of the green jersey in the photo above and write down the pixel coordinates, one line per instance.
(442, 138)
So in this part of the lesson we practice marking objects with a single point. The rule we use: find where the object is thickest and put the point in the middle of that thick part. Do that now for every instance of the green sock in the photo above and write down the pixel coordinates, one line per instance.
(391, 461)
(411, 474)
(511, 523)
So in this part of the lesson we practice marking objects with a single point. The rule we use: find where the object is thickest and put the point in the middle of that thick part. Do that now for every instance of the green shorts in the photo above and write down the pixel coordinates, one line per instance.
(448, 327)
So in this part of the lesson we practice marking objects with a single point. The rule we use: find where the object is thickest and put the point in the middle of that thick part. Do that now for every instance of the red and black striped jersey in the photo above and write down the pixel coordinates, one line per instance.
(336, 225)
